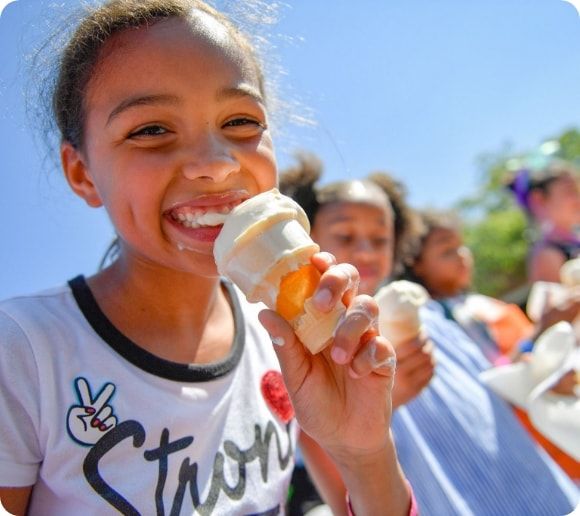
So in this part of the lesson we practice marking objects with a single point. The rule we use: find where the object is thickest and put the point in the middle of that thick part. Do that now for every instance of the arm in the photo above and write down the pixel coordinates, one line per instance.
(342, 395)
(15, 499)
(365, 485)
(324, 474)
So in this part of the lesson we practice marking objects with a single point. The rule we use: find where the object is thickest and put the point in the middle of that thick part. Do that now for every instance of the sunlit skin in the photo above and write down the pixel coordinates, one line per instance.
(445, 264)
(363, 235)
(360, 234)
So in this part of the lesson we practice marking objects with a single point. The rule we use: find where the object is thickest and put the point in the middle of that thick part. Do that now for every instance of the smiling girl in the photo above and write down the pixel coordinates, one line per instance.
(151, 387)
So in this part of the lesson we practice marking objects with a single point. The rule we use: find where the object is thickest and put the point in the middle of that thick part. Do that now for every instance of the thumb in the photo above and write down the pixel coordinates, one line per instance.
(292, 355)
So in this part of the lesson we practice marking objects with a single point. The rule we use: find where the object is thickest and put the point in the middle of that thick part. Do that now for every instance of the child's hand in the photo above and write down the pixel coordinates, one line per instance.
(554, 313)
(341, 396)
(415, 368)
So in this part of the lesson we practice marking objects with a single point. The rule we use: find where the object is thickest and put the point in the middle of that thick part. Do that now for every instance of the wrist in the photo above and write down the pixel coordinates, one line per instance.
(374, 481)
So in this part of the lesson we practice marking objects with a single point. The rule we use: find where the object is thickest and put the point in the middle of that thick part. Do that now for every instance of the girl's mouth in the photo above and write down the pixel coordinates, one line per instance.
(202, 215)
(196, 218)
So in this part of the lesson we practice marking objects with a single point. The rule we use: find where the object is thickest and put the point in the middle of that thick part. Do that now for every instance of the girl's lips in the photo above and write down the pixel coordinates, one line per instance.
(204, 235)
(208, 201)
(201, 219)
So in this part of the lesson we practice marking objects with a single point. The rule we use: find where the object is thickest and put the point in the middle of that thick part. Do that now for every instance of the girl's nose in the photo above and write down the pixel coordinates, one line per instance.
(364, 246)
(212, 159)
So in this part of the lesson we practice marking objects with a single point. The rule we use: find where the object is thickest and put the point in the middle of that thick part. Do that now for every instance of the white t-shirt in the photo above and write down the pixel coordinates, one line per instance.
(100, 426)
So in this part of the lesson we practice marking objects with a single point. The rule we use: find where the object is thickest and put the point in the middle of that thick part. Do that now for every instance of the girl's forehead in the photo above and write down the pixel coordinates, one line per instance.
(170, 53)
(203, 34)
(339, 211)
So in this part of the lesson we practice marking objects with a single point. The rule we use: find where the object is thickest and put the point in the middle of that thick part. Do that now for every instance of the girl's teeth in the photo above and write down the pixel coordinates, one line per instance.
(195, 220)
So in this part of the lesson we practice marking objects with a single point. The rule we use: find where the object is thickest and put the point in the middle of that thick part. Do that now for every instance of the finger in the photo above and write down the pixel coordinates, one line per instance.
(338, 282)
(377, 356)
(83, 392)
(360, 317)
(412, 347)
(104, 413)
(420, 357)
(323, 261)
(108, 423)
(292, 355)
(414, 363)
(103, 397)
(423, 376)
(100, 416)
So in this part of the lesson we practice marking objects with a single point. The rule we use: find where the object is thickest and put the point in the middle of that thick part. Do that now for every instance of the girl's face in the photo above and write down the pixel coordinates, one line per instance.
(560, 205)
(445, 264)
(176, 136)
(359, 234)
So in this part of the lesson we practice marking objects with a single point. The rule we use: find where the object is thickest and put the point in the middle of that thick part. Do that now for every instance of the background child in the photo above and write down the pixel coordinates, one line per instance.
(368, 223)
(547, 189)
(150, 387)
(442, 263)
(462, 445)
(361, 222)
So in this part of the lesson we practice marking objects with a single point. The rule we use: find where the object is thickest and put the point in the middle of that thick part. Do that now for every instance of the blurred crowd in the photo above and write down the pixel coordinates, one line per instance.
(487, 395)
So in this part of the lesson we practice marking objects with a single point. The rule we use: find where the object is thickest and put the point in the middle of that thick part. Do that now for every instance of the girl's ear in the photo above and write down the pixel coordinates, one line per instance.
(77, 175)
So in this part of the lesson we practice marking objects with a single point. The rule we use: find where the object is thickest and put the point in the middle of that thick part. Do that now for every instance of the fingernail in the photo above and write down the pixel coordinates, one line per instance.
(278, 341)
(339, 355)
(95, 423)
(322, 298)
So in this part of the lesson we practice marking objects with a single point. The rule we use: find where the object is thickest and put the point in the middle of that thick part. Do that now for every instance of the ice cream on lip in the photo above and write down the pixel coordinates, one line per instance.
(208, 210)
(264, 247)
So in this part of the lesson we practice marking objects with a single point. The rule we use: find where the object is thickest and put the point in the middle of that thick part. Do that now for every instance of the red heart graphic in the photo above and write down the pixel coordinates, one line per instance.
(276, 395)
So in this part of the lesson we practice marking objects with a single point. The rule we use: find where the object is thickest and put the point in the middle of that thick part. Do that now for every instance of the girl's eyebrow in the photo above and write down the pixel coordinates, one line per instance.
(242, 90)
(339, 218)
(141, 100)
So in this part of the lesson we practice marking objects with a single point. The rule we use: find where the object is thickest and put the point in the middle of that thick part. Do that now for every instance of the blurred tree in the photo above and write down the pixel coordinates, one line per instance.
(496, 229)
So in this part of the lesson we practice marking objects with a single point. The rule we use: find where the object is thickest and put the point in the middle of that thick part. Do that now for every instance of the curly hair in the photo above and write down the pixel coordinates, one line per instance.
(301, 182)
(408, 223)
(427, 221)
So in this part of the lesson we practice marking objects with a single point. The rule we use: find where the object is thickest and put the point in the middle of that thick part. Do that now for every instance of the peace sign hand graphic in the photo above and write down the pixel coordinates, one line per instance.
(92, 418)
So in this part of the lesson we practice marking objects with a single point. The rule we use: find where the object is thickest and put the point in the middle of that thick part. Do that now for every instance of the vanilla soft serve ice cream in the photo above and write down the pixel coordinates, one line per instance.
(264, 247)
(399, 304)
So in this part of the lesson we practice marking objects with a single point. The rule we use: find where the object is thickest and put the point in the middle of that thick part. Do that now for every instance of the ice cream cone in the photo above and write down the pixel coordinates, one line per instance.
(570, 273)
(265, 249)
(399, 304)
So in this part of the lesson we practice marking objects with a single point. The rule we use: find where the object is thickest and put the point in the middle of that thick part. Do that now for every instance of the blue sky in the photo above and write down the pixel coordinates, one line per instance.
(421, 88)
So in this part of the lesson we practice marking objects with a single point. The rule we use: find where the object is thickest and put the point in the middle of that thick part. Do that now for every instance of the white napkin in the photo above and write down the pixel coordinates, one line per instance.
(528, 384)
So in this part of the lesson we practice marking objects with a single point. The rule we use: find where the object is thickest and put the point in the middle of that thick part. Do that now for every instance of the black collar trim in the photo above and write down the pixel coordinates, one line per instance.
(144, 359)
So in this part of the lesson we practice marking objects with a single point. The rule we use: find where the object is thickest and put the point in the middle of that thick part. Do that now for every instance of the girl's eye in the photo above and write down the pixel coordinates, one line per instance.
(150, 130)
(380, 242)
(243, 121)
(344, 239)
